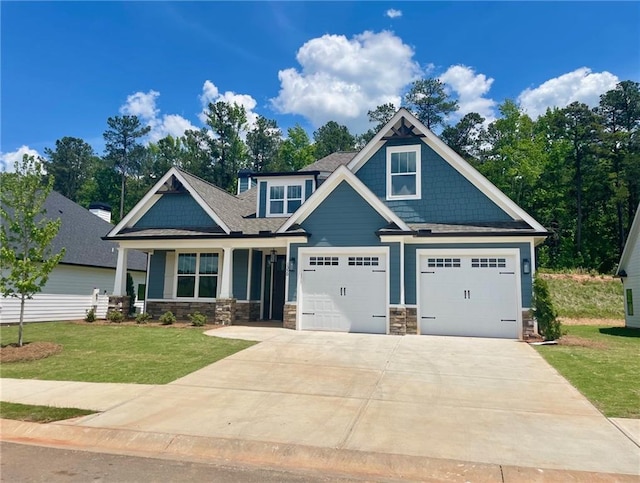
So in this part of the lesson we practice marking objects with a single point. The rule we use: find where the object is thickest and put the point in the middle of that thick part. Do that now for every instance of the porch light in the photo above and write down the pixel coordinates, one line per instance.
(526, 266)
(273, 257)
(292, 264)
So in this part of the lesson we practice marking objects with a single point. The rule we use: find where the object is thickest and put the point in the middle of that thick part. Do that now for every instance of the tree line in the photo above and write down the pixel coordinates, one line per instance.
(575, 169)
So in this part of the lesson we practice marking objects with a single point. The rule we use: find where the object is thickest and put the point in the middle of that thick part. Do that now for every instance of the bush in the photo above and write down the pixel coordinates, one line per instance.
(131, 292)
(91, 315)
(549, 326)
(167, 318)
(142, 318)
(115, 316)
(197, 319)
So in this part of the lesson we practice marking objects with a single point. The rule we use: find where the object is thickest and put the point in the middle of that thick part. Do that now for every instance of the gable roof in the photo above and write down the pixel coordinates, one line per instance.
(81, 234)
(342, 173)
(449, 156)
(632, 243)
(330, 163)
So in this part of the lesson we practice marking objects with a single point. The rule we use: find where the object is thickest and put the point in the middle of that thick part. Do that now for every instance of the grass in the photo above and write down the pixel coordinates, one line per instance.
(118, 353)
(39, 414)
(603, 364)
(587, 298)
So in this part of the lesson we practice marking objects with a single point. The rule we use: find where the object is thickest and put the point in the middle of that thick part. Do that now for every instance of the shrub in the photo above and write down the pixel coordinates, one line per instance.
(197, 319)
(115, 316)
(549, 326)
(131, 292)
(91, 315)
(142, 318)
(167, 318)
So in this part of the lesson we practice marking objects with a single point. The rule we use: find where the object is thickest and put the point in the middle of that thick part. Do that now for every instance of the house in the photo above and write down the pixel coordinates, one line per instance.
(403, 237)
(88, 266)
(629, 273)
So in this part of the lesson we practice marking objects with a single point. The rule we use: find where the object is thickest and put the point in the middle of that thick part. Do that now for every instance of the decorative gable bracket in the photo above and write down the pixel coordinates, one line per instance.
(403, 131)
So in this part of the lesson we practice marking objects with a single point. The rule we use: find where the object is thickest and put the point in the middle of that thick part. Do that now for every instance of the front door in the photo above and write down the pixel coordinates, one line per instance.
(274, 284)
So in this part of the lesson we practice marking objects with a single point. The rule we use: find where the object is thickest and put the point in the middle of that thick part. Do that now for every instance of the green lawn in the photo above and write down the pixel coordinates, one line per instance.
(587, 298)
(603, 364)
(118, 353)
(39, 414)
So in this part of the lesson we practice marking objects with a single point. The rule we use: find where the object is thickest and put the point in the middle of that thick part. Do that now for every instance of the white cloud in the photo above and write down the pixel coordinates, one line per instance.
(341, 79)
(211, 93)
(471, 89)
(393, 13)
(143, 105)
(7, 160)
(581, 85)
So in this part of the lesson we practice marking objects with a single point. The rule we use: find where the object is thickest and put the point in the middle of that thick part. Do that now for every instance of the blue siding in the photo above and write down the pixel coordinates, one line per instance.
(256, 275)
(345, 219)
(240, 273)
(175, 211)
(243, 184)
(410, 266)
(447, 196)
(308, 189)
(157, 265)
(262, 206)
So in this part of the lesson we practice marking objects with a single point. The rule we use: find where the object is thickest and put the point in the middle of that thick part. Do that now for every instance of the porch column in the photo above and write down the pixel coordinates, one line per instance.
(120, 285)
(226, 283)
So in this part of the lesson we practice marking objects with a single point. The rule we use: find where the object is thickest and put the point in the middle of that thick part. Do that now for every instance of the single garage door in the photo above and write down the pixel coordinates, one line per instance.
(469, 295)
(344, 292)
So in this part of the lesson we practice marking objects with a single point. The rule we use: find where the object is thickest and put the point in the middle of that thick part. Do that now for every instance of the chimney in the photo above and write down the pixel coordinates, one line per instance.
(245, 182)
(101, 210)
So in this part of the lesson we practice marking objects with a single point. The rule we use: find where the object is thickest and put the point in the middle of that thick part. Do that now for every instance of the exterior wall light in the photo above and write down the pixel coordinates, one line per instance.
(292, 264)
(526, 266)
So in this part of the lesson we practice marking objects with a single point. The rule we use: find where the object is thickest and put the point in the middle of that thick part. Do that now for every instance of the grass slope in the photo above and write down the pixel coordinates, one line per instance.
(603, 364)
(115, 353)
(39, 414)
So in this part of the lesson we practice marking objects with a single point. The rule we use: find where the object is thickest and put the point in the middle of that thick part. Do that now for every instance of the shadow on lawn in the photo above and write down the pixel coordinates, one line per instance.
(620, 331)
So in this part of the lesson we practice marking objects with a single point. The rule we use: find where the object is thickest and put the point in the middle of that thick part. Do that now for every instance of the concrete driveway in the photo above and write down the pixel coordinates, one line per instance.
(480, 400)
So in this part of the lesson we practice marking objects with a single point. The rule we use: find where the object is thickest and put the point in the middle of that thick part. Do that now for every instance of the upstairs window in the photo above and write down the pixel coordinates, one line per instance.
(284, 200)
(403, 172)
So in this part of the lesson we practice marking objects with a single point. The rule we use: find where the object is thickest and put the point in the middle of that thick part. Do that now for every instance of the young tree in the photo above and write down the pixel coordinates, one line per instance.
(123, 149)
(25, 233)
(263, 142)
(331, 138)
(429, 101)
(70, 164)
(295, 152)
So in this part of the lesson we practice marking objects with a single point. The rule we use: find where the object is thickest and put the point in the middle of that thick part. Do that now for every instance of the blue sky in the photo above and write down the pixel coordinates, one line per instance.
(67, 66)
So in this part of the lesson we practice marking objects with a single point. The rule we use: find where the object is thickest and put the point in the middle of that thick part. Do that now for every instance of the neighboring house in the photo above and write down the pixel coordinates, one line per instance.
(88, 265)
(402, 237)
(629, 272)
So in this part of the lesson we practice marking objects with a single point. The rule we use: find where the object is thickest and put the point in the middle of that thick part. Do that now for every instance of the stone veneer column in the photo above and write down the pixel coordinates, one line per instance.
(528, 325)
(412, 320)
(290, 311)
(397, 320)
(121, 303)
(225, 311)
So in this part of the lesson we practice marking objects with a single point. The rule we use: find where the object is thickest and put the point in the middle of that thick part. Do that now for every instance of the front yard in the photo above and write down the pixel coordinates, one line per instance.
(118, 353)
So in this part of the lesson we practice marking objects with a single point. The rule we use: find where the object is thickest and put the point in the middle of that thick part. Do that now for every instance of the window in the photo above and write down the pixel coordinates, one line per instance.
(315, 261)
(629, 302)
(142, 290)
(443, 262)
(364, 261)
(488, 263)
(284, 200)
(403, 172)
(197, 274)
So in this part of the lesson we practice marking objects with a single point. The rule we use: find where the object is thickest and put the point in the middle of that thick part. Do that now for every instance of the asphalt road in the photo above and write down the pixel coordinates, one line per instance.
(27, 463)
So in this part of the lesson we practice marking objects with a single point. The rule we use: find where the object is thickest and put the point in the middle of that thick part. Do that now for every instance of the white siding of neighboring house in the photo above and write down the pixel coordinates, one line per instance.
(633, 282)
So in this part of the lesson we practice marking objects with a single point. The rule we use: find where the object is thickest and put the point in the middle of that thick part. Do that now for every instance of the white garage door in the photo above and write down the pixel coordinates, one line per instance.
(469, 295)
(344, 292)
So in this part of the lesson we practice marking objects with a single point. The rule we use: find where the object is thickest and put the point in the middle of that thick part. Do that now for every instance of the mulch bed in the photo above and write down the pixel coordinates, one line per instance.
(30, 351)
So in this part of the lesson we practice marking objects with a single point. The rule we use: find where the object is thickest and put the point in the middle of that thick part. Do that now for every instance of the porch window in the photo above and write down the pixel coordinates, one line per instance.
(197, 274)
(403, 172)
(284, 199)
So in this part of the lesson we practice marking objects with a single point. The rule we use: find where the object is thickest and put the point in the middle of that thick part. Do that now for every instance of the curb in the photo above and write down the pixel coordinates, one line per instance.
(281, 456)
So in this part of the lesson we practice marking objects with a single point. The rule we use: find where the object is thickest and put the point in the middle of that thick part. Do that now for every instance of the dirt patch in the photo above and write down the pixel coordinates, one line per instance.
(596, 322)
(578, 277)
(31, 351)
(574, 341)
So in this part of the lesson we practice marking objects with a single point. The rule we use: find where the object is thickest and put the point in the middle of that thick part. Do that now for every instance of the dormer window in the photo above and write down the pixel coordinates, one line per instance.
(284, 199)
(403, 172)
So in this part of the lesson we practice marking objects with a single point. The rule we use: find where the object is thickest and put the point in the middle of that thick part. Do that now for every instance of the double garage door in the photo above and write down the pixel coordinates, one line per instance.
(344, 292)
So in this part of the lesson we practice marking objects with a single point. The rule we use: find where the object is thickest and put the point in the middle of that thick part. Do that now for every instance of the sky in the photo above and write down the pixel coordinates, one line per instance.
(68, 66)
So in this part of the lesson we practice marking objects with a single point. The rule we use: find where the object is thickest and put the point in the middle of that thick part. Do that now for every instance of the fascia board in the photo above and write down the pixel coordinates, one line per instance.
(632, 240)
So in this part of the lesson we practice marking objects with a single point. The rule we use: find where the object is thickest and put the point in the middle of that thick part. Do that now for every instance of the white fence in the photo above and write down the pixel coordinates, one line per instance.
(52, 307)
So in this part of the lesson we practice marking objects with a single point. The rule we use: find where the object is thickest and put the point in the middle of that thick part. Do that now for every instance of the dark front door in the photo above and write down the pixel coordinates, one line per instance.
(274, 288)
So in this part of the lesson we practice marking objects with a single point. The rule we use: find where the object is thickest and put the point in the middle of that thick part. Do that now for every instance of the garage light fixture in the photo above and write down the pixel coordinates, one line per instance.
(274, 257)
(526, 266)
(292, 264)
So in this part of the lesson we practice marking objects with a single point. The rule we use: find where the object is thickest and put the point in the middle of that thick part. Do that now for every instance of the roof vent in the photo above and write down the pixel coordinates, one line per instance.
(101, 210)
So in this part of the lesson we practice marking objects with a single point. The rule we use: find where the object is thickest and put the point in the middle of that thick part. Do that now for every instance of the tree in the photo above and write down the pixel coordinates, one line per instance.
(465, 138)
(295, 152)
(70, 164)
(25, 233)
(123, 149)
(331, 138)
(381, 115)
(429, 102)
(263, 142)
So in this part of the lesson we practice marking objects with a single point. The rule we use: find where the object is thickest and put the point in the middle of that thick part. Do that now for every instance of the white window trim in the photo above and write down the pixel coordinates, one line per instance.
(404, 149)
(197, 275)
(285, 200)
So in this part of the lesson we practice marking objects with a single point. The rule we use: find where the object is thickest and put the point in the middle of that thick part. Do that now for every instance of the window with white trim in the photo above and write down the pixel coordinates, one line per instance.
(197, 275)
(403, 172)
(284, 199)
